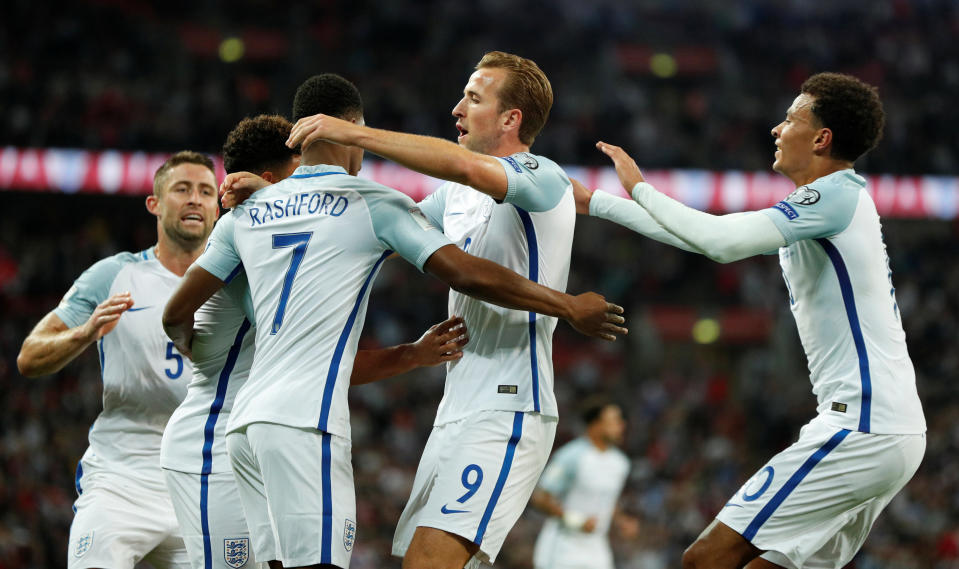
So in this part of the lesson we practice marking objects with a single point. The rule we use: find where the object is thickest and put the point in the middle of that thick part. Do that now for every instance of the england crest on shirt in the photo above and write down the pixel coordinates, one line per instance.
(84, 542)
(349, 535)
(236, 551)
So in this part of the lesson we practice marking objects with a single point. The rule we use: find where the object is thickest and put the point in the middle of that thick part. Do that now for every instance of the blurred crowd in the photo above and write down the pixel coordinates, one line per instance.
(702, 417)
(695, 84)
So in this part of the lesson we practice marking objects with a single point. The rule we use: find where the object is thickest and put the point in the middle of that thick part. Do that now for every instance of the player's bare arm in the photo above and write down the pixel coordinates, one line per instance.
(442, 343)
(722, 238)
(588, 313)
(51, 344)
(196, 287)
(425, 154)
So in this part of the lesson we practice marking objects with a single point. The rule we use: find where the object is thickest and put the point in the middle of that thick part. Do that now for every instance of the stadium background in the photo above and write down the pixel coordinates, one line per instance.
(694, 84)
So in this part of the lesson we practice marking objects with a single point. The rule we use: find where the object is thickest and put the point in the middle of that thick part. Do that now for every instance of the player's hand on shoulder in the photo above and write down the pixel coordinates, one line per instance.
(582, 195)
(308, 130)
(239, 186)
(443, 342)
(626, 168)
(595, 317)
(107, 314)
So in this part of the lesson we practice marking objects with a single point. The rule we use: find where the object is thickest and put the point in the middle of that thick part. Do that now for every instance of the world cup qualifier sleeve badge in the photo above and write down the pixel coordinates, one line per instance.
(236, 551)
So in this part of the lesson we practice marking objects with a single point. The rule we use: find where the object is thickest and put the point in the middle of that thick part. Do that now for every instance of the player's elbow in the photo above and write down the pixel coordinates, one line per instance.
(28, 364)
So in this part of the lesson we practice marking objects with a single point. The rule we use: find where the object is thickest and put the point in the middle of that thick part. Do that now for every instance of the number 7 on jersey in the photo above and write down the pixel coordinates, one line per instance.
(299, 242)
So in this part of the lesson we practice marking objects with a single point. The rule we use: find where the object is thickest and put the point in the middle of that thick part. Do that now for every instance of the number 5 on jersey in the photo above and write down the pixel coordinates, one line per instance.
(299, 242)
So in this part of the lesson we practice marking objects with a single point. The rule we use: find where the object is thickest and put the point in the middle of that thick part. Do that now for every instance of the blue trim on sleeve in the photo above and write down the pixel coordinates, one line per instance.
(341, 345)
(233, 274)
(533, 276)
(849, 300)
(326, 548)
(503, 474)
(792, 483)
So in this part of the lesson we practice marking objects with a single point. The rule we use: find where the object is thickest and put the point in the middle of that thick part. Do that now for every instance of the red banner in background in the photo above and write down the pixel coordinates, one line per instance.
(131, 173)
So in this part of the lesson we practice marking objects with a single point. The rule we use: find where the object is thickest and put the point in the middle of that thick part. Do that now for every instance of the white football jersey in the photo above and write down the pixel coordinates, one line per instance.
(508, 363)
(586, 481)
(194, 439)
(311, 245)
(144, 376)
(841, 294)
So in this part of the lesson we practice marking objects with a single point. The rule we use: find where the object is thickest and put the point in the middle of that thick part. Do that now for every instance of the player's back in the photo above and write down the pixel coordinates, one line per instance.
(144, 377)
(843, 299)
(311, 245)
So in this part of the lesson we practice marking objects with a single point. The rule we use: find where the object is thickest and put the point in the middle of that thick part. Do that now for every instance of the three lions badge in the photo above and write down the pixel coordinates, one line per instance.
(236, 551)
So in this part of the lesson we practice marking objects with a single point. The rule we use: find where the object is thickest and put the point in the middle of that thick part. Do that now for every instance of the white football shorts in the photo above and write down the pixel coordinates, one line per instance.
(813, 504)
(296, 487)
(211, 519)
(120, 522)
(476, 476)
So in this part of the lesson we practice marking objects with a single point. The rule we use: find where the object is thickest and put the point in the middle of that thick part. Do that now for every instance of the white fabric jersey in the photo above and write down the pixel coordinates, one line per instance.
(144, 376)
(310, 246)
(508, 363)
(841, 294)
(194, 439)
(586, 481)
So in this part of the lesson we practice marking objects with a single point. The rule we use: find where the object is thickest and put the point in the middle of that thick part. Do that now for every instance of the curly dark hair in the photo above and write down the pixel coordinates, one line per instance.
(592, 407)
(258, 144)
(329, 94)
(851, 109)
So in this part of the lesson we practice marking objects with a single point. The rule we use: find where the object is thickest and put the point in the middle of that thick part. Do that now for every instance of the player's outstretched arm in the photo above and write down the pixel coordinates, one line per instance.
(722, 238)
(425, 154)
(442, 343)
(51, 344)
(588, 313)
(625, 212)
(195, 288)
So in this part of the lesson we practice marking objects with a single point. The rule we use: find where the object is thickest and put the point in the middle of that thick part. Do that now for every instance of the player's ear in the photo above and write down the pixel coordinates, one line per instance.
(512, 119)
(823, 141)
(153, 204)
(268, 176)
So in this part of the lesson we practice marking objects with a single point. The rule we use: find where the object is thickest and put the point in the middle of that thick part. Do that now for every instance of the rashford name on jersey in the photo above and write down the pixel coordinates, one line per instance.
(310, 203)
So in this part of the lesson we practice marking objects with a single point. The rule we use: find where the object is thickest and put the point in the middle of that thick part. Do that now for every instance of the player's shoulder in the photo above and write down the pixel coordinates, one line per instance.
(110, 266)
(839, 187)
(527, 162)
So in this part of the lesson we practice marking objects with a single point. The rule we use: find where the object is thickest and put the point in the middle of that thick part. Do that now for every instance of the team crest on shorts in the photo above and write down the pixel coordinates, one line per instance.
(349, 535)
(84, 542)
(236, 551)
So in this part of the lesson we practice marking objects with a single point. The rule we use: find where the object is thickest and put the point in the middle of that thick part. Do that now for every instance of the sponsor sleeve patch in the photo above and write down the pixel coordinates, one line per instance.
(513, 163)
(420, 218)
(787, 210)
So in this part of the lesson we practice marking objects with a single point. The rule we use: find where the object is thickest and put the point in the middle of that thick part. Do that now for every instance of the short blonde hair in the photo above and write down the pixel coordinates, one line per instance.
(181, 157)
(526, 88)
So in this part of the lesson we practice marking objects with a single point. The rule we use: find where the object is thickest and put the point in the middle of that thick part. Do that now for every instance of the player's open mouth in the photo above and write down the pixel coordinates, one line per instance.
(192, 217)
(463, 132)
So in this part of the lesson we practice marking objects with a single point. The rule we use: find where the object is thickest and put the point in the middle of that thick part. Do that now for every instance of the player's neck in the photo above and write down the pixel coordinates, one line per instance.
(819, 167)
(174, 257)
(508, 148)
(325, 153)
(597, 440)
